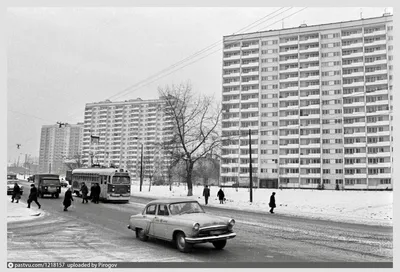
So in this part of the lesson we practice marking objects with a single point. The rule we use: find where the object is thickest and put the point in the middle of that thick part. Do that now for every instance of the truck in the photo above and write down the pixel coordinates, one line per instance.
(68, 176)
(48, 184)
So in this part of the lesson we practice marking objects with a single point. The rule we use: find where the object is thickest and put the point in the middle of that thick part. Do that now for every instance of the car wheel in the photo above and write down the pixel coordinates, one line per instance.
(141, 235)
(181, 244)
(219, 244)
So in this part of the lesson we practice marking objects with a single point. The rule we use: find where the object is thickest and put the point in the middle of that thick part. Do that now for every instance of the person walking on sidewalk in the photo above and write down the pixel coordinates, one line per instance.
(221, 196)
(206, 194)
(272, 204)
(33, 196)
(67, 199)
(16, 193)
(85, 191)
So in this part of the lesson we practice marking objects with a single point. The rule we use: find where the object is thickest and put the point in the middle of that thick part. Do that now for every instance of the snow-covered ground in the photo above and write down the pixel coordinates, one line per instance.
(20, 212)
(365, 207)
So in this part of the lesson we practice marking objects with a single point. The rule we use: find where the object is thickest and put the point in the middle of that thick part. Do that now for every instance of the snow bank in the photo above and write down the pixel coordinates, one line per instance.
(20, 212)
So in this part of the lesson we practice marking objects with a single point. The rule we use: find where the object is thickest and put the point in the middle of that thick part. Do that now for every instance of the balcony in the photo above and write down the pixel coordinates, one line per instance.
(379, 144)
(356, 134)
(311, 145)
(289, 61)
(356, 165)
(310, 175)
(251, 46)
(309, 68)
(380, 165)
(232, 101)
(355, 125)
(250, 91)
(309, 97)
(377, 52)
(353, 45)
(310, 40)
(289, 136)
(354, 74)
(353, 55)
(250, 56)
(288, 156)
(376, 72)
(378, 102)
(289, 79)
(289, 117)
(377, 92)
(289, 175)
(289, 70)
(232, 57)
(310, 50)
(289, 52)
(376, 43)
(353, 114)
(251, 64)
(288, 43)
(377, 82)
(356, 155)
(354, 104)
(250, 82)
(232, 66)
(352, 36)
(250, 100)
(289, 165)
(289, 98)
(231, 75)
(232, 49)
(363, 144)
(290, 88)
(377, 62)
(252, 73)
(311, 106)
(354, 84)
(311, 136)
(289, 146)
(310, 87)
(310, 59)
(309, 78)
(232, 83)
(356, 176)
(380, 123)
(310, 116)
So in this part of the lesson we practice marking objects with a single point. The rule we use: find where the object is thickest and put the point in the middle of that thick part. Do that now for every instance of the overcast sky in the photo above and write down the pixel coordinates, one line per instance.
(59, 59)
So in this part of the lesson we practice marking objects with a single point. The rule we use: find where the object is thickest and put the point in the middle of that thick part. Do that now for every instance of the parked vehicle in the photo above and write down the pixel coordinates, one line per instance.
(48, 184)
(181, 221)
(115, 185)
(31, 179)
(64, 183)
(10, 186)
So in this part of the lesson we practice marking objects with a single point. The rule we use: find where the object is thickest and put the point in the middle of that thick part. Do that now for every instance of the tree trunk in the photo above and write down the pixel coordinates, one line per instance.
(189, 179)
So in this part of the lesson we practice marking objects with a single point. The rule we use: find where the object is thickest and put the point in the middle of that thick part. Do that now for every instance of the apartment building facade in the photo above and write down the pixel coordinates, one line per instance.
(115, 133)
(58, 144)
(318, 102)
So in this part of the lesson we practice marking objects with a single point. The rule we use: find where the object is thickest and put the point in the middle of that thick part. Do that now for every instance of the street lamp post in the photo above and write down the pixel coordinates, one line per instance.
(250, 169)
(141, 166)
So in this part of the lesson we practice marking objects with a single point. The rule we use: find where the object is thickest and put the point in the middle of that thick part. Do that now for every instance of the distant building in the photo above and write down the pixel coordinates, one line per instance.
(318, 100)
(116, 132)
(58, 144)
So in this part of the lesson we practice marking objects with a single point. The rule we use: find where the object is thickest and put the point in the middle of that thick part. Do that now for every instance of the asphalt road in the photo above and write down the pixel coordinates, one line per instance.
(97, 232)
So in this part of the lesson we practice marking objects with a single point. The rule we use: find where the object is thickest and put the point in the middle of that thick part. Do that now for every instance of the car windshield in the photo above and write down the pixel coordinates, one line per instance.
(121, 180)
(10, 182)
(51, 182)
(185, 207)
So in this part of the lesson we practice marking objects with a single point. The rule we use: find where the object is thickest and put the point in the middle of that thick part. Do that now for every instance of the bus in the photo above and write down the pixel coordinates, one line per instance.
(115, 184)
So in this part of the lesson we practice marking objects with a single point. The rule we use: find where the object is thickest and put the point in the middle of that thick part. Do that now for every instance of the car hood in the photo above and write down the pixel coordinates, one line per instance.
(204, 219)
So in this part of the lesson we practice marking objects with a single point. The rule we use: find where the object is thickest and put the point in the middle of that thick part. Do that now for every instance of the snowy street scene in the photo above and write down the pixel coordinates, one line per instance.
(209, 137)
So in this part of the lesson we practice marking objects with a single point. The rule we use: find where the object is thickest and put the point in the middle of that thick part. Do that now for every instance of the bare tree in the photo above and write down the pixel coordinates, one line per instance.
(74, 162)
(196, 118)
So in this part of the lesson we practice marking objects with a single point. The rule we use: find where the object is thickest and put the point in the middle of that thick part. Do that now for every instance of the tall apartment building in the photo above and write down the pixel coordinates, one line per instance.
(318, 101)
(58, 144)
(116, 132)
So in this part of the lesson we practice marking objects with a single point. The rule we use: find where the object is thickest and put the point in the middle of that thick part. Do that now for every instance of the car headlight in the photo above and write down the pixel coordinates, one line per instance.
(45, 188)
(196, 227)
(231, 224)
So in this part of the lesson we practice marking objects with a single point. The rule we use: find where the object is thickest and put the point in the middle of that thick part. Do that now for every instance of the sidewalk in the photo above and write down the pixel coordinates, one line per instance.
(19, 212)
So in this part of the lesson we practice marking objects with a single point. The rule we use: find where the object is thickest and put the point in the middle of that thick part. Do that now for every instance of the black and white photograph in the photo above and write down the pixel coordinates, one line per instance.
(199, 136)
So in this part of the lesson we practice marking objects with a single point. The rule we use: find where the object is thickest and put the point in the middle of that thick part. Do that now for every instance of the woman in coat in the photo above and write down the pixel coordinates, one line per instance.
(67, 199)
(221, 196)
(272, 204)
(16, 193)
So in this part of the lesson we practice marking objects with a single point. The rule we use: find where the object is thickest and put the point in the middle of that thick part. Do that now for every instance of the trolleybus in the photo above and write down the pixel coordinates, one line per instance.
(115, 184)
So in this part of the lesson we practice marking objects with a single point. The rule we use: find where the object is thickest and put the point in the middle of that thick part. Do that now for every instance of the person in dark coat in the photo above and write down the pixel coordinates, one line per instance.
(272, 204)
(85, 191)
(206, 194)
(221, 196)
(96, 193)
(92, 189)
(33, 196)
(16, 193)
(67, 199)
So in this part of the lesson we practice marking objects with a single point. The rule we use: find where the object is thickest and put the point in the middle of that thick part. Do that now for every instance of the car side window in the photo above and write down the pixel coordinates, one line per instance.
(162, 210)
(151, 209)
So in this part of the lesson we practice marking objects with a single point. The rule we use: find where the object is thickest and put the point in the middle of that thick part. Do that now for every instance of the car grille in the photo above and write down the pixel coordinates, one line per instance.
(214, 230)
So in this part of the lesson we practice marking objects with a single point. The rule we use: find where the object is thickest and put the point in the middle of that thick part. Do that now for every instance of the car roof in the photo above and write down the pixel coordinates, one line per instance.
(171, 200)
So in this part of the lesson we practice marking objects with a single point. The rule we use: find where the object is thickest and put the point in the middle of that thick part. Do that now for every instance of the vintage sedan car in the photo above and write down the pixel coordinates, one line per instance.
(182, 221)
(10, 186)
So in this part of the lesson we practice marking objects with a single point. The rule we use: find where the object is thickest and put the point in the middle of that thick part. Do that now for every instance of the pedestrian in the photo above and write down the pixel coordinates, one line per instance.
(221, 196)
(85, 191)
(96, 193)
(206, 193)
(67, 199)
(33, 196)
(16, 193)
(92, 189)
(272, 204)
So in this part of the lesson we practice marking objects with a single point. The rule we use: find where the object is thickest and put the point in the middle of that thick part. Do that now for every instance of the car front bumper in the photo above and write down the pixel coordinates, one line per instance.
(195, 240)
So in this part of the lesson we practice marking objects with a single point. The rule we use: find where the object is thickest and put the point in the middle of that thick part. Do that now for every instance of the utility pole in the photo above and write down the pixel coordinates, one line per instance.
(141, 169)
(251, 169)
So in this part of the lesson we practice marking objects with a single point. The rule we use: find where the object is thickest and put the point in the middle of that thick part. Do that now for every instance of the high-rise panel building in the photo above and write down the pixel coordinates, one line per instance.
(58, 144)
(118, 133)
(318, 102)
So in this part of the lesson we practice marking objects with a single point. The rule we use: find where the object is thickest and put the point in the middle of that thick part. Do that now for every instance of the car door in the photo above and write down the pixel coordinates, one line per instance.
(149, 216)
(161, 222)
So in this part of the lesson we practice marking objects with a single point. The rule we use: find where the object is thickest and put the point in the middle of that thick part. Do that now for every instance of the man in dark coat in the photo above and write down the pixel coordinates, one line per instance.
(16, 193)
(96, 193)
(206, 194)
(92, 189)
(272, 204)
(33, 196)
(85, 191)
(221, 196)
(67, 199)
